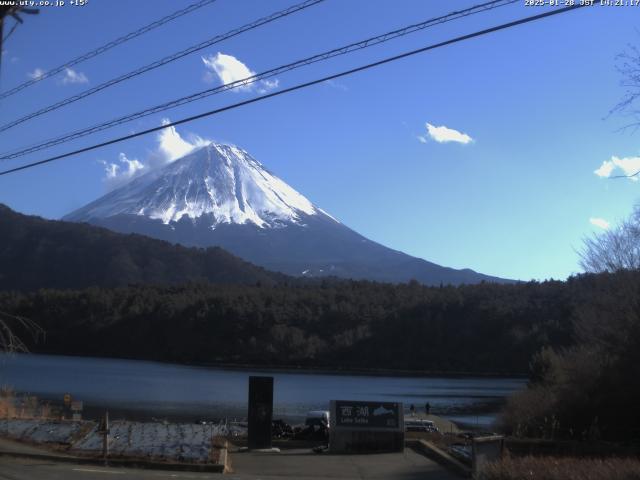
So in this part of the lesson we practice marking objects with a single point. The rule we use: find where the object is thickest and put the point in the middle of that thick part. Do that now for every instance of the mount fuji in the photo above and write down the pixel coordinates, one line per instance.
(218, 195)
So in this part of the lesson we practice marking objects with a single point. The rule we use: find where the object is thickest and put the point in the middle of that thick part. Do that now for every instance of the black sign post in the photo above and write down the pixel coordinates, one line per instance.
(260, 412)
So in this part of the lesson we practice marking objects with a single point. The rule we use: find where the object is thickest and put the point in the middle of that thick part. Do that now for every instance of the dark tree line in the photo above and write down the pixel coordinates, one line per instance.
(588, 389)
(484, 328)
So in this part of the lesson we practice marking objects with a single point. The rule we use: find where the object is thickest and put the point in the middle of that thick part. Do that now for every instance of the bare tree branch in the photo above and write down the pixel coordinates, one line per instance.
(615, 249)
(629, 68)
(9, 325)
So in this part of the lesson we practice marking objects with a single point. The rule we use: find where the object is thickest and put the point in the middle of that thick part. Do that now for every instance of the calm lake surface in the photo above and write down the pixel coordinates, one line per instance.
(144, 389)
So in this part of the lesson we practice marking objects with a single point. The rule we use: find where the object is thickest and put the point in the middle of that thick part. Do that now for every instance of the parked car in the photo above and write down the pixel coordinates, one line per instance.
(419, 425)
(317, 417)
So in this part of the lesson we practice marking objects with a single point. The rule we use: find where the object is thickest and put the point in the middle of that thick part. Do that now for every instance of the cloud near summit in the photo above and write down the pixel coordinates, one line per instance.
(117, 174)
(171, 146)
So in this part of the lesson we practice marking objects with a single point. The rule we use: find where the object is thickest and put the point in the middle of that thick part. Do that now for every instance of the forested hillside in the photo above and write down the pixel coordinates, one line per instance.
(590, 389)
(37, 253)
(478, 328)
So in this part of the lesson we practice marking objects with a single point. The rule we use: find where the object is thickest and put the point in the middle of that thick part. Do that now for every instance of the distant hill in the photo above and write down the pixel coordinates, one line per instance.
(38, 253)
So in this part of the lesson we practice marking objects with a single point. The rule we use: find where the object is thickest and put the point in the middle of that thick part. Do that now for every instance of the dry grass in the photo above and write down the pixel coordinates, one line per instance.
(24, 407)
(551, 468)
(218, 442)
(7, 402)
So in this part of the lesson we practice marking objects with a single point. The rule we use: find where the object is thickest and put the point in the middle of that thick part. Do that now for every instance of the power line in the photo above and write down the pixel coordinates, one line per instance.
(6, 37)
(171, 58)
(633, 175)
(107, 46)
(301, 86)
(369, 42)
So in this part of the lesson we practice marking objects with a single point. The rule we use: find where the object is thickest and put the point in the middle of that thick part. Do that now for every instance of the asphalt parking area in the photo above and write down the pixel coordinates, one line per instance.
(303, 464)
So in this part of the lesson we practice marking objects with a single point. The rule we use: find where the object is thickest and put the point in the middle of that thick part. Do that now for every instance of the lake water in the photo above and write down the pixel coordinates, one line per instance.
(144, 389)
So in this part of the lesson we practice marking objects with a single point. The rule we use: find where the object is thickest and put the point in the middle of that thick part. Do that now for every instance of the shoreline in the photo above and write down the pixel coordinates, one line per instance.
(462, 418)
(481, 396)
(306, 369)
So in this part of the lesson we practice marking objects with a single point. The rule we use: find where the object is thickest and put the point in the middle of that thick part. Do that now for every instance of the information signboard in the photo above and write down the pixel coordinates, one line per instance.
(378, 415)
(366, 427)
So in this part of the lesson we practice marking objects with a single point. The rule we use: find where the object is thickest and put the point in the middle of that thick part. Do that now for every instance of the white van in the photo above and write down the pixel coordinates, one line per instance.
(419, 425)
(317, 417)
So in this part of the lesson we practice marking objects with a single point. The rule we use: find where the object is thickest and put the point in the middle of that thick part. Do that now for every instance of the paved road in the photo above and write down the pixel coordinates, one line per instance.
(24, 469)
(19, 447)
(294, 464)
(305, 465)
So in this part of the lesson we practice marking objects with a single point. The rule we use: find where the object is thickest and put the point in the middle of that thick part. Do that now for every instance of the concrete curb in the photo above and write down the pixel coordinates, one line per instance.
(129, 463)
(429, 450)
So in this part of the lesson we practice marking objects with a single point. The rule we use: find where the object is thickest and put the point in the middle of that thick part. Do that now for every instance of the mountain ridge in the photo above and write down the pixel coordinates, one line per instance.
(38, 253)
(219, 195)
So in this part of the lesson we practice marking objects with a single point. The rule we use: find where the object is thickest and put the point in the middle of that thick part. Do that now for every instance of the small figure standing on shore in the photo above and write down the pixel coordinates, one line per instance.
(427, 408)
(412, 410)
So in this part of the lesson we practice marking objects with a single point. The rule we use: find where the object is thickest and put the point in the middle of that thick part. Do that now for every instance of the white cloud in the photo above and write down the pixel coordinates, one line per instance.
(337, 85)
(228, 69)
(133, 165)
(628, 165)
(110, 169)
(116, 174)
(171, 146)
(599, 222)
(37, 73)
(605, 169)
(444, 134)
(266, 85)
(71, 76)
(422, 138)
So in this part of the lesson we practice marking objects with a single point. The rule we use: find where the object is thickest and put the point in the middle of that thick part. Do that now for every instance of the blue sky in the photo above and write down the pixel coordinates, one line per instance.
(513, 198)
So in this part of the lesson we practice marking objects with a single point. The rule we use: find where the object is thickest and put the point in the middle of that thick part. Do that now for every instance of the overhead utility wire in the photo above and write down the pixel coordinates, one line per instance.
(165, 60)
(299, 86)
(106, 46)
(259, 76)
(632, 176)
(15, 25)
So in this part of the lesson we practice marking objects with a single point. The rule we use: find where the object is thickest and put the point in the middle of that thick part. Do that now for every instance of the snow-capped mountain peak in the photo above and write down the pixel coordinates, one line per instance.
(222, 182)
(220, 196)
